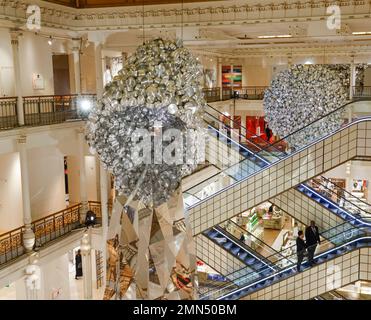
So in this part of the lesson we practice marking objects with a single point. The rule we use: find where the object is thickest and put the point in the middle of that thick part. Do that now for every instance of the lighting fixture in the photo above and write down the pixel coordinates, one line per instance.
(276, 36)
(50, 41)
(361, 33)
(86, 105)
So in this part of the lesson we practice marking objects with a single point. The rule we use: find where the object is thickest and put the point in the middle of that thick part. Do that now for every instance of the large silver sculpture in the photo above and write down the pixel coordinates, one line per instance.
(147, 130)
(300, 95)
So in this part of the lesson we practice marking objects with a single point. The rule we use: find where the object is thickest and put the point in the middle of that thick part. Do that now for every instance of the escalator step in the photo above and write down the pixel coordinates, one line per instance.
(243, 255)
(228, 245)
(250, 261)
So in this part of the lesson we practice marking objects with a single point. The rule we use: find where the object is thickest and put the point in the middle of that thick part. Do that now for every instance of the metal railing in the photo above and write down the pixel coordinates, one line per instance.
(8, 113)
(11, 245)
(362, 92)
(46, 110)
(221, 94)
(46, 229)
(56, 224)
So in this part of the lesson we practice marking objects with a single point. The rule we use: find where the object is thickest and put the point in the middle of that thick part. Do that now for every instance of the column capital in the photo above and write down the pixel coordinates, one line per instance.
(14, 35)
(76, 43)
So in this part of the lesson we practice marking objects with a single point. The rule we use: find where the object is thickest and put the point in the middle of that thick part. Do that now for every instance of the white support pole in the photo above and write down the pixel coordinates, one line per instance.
(28, 235)
(76, 63)
(83, 190)
(15, 34)
(87, 265)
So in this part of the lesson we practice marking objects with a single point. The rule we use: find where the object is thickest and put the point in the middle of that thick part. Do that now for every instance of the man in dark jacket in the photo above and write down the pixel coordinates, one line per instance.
(300, 249)
(312, 238)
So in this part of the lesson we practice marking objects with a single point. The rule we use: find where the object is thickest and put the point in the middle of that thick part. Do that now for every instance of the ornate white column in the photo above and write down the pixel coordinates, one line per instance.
(352, 80)
(352, 83)
(83, 190)
(99, 69)
(219, 77)
(86, 265)
(76, 63)
(28, 235)
(33, 278)
(14, 35)
(104, 210)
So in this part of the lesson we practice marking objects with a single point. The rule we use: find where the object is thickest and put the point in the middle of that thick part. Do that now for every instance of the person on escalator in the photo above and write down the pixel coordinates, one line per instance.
(301, 247)
(312, 238)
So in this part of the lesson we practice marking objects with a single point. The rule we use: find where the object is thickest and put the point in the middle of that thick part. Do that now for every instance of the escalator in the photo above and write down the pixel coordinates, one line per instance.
(341, 202)
(283, 170)
(338, 243)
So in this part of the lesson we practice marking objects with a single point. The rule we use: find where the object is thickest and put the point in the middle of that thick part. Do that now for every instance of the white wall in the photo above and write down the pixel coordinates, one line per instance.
(55, 277)
(6, 65)
(35, 58)
(10, 195)
(46, 174)
(92, 173)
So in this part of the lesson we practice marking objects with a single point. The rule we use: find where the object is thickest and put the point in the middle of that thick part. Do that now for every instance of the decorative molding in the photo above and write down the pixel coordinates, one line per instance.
(223, 12)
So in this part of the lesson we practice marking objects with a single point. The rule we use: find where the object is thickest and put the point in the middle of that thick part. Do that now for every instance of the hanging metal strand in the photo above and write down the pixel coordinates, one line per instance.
(182, 21)
(144, 36)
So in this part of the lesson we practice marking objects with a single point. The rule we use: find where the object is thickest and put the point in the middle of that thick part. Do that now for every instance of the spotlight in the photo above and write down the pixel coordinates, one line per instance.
(50, 41)
(85, 105)
(90, 219)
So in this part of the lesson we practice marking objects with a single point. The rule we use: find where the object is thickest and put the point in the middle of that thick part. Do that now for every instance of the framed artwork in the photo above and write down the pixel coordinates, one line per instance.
(232, 76)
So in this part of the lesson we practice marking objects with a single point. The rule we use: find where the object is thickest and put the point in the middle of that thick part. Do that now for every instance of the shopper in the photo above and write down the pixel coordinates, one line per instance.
(312, 239)
(242, 238)
(268, 132)
(300, 249)
(78, 264)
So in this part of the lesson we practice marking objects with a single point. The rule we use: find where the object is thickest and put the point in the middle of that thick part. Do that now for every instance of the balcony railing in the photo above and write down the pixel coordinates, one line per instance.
(46, 229)
(46, 110)
(11, 245)
(8, 113)
(362, 92)
(221, 94)
(56, 225)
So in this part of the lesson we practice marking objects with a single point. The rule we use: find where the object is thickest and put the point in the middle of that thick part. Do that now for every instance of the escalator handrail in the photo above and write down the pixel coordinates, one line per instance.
(236, 241)
(356, 217)
(291, 266)
(246, 131)
(367, 118)
(347, 192)
(288, 258)
(241, 136)
(251, 235)
(318, 119)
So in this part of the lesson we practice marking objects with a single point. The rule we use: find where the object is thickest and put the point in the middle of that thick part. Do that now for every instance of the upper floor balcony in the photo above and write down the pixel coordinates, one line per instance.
(53, 109)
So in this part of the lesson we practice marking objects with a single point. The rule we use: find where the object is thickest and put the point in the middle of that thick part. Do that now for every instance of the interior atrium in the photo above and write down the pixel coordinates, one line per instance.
(185, 150)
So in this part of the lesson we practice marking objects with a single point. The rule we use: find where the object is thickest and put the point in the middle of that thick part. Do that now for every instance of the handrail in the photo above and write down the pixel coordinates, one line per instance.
(247, 131)
(255, 281)
(279, 160)
(239, 135)
(316, 120)
(345, 191)
(346, 200)
(9, 98)
(46, 229)
(59, 95)
(334, 238)
(246, 231)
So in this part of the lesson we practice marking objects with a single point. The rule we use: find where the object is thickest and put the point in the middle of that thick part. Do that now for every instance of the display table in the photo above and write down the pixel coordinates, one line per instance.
(273, 222)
